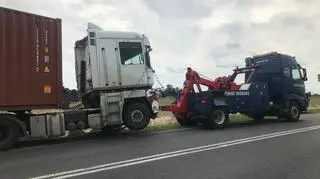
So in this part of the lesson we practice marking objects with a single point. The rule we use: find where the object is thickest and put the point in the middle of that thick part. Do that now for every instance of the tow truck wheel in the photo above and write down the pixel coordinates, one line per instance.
(217, 119)
(294, 112)
(9, 132)
(183, 120)
(136, 116)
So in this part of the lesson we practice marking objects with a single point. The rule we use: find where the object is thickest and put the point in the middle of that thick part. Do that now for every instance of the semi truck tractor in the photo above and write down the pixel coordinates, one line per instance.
(113, 73)
(273, 86)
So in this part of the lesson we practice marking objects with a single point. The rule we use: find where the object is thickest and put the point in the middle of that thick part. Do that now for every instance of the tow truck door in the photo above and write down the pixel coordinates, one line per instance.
(292, 82)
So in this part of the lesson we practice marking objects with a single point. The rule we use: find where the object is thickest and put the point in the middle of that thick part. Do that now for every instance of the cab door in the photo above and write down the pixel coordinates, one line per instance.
(109, 67)
(298, 82)
(132, 65)
(292, 83)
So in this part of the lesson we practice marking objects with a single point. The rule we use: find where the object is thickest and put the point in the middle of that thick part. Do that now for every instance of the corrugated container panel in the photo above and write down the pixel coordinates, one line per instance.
(30, 61)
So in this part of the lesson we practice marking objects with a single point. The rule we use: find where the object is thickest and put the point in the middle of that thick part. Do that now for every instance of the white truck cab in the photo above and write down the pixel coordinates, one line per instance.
(114, 61)
(114, 74)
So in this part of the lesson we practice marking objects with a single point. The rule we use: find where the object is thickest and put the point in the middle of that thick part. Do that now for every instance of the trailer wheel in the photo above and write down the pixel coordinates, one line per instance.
(294, 112)
(9, 132)
(217, 119)
(183, 120)
(136, 116)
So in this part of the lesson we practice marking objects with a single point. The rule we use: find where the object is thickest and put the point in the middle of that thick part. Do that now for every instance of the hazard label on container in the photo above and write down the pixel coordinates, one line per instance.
(46, 59)
(47, 89)
(46, 69)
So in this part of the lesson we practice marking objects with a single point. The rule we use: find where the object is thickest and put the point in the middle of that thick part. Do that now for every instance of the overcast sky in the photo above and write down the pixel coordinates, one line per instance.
(212, 36)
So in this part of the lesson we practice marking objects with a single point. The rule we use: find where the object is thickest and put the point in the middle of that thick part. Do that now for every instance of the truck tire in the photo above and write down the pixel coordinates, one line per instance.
(183, 120)
(218, 119)
(9, 132)
(294, 112)
(136, 116)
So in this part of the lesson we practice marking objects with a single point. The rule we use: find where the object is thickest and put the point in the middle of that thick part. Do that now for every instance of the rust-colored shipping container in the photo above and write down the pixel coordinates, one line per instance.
(30, 61)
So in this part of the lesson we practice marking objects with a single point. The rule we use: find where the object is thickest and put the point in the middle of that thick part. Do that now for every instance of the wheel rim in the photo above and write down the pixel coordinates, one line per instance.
(219, 117)
(3, 134)
(294, 112)
(137, 116)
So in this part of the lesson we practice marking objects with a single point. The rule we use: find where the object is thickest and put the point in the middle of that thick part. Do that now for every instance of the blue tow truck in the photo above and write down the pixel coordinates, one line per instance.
(274, 86)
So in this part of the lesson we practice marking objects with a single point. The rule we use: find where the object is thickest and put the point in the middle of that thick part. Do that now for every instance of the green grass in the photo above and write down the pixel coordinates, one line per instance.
(315, 102)
(238, 117)
(166, 121)
(166, 101)
(162, 127)
(314, 110)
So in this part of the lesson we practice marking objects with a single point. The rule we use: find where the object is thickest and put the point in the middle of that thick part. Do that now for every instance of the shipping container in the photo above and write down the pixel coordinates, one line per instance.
(30, 61)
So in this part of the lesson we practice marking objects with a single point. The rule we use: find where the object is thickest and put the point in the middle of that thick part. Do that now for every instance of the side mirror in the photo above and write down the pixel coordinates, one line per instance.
(305, 78)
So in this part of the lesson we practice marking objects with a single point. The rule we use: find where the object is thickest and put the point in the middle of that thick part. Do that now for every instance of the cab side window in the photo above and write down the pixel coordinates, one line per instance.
(296, 75)
(131, 53)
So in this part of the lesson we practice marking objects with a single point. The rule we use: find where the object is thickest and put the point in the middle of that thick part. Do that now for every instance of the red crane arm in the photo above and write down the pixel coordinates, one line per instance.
(194, 79)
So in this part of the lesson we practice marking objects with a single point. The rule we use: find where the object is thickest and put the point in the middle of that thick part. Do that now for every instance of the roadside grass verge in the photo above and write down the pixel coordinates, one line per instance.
(314, 102)
(166, 121)
(314, 110)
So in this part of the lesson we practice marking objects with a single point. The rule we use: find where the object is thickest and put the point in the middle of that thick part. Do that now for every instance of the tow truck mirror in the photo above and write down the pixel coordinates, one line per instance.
(304, 71)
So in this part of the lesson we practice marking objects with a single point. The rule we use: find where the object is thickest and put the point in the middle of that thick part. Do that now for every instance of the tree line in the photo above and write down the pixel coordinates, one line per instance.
(169, 91)
(72, 95)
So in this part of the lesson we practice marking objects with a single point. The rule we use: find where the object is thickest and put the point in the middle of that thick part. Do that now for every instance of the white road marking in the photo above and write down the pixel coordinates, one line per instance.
(151, 158)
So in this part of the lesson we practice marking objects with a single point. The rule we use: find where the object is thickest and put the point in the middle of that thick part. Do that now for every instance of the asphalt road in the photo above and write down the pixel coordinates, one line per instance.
(271, 149)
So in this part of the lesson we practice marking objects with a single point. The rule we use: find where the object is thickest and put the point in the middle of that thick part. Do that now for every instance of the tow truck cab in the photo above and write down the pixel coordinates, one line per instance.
(284, 77)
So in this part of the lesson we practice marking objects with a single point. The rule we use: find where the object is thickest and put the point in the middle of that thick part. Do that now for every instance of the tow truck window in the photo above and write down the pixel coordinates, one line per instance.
(131, 53)
(296, 75)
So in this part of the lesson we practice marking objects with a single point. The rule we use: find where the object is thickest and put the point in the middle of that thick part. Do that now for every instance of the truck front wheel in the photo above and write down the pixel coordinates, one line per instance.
(217, 119)
(9, 132)
(294, 112)
(136, 116)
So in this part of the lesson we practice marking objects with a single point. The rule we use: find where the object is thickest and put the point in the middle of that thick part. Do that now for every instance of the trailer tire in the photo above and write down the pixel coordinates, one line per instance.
(9, 132)
(136, 116)
(185, 121)
(218, 119)
(294, 112)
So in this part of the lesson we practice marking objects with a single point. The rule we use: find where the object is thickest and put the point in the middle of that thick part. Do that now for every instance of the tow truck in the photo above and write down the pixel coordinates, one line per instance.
(274, 86)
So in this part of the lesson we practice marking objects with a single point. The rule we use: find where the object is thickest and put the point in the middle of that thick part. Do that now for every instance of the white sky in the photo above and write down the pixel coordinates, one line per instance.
(212, 36)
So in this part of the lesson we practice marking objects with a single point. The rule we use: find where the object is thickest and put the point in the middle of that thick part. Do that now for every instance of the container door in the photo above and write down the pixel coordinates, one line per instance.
(30, 61)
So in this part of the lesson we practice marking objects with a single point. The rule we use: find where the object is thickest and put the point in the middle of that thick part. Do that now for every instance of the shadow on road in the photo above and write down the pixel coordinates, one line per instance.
(128, 135)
